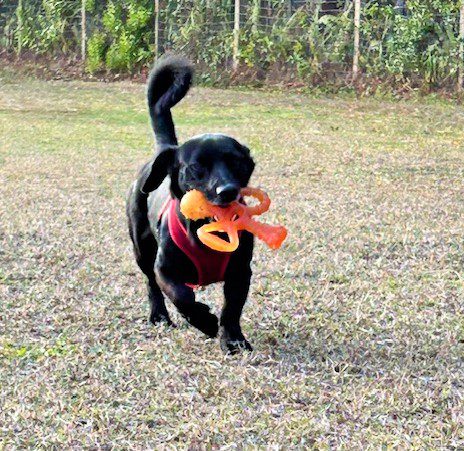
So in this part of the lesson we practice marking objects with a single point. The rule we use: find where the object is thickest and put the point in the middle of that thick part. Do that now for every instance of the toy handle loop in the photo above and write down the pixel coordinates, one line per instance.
(261, 196)
(207, 237)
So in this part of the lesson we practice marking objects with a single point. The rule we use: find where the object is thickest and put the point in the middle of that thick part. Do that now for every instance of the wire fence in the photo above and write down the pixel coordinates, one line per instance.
(310, 41)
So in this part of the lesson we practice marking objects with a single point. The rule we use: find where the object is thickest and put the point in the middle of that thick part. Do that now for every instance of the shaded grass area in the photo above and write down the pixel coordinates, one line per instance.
(357, 321)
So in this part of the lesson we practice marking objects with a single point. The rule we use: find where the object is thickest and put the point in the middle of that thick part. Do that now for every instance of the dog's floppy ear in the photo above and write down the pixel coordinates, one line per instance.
(250, 163)
(154, 172)
(245, 150)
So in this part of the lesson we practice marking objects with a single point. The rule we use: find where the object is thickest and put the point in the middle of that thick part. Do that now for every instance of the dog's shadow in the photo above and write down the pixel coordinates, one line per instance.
(365, 357)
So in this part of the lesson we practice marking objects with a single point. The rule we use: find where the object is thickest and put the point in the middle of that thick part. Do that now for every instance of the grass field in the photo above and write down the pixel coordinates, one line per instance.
(357, 322)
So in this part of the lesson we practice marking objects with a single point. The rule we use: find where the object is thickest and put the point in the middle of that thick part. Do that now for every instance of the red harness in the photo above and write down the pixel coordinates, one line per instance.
(210, 265)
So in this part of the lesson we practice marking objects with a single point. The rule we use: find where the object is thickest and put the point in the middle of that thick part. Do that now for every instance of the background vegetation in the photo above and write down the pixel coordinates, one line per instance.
(300, 41)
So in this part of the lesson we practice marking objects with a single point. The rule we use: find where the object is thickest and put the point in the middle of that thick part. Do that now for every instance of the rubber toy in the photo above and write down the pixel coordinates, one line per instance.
(231, 219)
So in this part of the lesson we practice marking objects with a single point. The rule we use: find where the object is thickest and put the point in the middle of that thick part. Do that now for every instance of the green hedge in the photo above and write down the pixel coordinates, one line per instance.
(303, 43)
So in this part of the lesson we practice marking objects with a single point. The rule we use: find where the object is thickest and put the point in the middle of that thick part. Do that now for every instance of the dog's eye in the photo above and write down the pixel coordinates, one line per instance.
(237, 165)
(196, 171)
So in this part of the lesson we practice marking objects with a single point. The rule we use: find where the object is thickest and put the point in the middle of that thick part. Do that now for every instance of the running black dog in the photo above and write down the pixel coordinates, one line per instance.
(166, 246)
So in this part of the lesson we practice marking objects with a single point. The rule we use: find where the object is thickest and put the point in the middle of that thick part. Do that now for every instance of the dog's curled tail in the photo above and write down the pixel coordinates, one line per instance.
(169, 81)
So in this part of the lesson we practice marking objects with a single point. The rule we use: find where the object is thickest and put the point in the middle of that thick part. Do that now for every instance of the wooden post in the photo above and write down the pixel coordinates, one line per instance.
(156, 29)
(20, 15)
(461, 48)
(357, 24)
(83, 31)
(236, 42)
(316, 10)
(255, 11)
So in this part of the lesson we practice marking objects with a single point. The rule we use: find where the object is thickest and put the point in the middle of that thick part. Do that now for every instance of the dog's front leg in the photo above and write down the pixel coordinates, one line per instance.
(235, 293)
(236, 287)
(183, 297)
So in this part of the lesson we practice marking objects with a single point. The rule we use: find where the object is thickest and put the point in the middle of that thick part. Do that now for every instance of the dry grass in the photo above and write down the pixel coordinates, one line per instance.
(357, 322)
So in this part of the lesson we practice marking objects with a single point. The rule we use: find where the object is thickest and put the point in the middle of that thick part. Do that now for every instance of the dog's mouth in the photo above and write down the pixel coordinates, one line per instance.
(224, 204)
(219, 203)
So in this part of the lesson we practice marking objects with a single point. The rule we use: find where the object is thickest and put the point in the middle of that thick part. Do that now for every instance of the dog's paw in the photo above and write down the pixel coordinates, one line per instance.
(161, 318)
(234, 344)
(198, 316)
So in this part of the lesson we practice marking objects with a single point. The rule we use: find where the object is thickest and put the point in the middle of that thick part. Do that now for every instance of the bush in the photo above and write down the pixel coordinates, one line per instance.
(303, 41)
(420, 47)
(423, 45)
(96, 50)
(48, 26)
(124, 42)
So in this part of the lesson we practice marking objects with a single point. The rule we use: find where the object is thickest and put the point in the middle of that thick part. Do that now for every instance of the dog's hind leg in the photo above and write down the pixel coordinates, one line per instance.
(146, 261)
(145, 249)
(158, 310)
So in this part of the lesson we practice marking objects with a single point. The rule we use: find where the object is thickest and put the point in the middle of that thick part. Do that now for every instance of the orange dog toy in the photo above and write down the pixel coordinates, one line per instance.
(231, 219)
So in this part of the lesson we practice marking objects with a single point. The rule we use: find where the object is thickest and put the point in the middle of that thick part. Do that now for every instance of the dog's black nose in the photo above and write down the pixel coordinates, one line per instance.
(227, 193)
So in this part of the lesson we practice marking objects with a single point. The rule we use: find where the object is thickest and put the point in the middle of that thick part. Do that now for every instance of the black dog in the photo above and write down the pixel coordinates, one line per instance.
(219, 167)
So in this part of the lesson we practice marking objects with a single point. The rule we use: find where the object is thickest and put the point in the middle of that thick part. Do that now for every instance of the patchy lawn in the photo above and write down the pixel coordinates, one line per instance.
(357, 322)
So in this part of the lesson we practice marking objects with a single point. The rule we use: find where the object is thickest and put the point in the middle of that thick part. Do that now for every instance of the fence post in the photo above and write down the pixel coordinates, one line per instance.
(83, 31)
(20, 14)
(357, 24)
(461, 48)
(156, 29)
(255, 11)
(236, 34)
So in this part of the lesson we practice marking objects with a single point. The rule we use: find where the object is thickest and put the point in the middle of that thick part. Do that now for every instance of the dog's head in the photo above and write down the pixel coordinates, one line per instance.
(216, 165)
